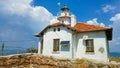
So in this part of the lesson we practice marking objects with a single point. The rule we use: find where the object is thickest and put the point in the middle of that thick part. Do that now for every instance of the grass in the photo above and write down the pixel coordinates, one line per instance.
(117, 59)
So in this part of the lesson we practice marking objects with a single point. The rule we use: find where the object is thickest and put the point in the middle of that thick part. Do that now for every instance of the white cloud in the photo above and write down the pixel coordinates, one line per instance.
(116, 18)
(108, 8)
(21, 12)
(18, 18)
(114, 44)
(9, 33)
(95, 22)
(54, 20)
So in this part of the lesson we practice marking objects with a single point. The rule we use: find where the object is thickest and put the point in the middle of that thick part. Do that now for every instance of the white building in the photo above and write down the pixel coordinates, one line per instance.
(70, 39)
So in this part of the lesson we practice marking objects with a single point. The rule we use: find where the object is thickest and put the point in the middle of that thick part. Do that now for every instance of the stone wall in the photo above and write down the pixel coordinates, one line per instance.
(40, 61)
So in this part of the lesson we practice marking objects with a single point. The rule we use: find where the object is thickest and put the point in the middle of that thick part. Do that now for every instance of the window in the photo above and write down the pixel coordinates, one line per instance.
(58, 29)
(55, 45)
(54, 29)
(89, 45)
(65, 45)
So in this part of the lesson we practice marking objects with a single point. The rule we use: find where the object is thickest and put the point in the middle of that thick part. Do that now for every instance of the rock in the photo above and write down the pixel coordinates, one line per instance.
(118, 66)
(112, 66)
(41, 61)
(92, 66)
(106, 66)
(100, 65)
(84, 66)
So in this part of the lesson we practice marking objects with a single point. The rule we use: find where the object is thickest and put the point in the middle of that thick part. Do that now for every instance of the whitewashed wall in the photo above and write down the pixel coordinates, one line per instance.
(64, 35)
(39, 45)
(78, 43)
(99, 41)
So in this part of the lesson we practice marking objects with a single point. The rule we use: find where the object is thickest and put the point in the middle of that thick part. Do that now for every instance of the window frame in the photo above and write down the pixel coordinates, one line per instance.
(65, 45)
(54, 29)
(56, 48)
(89, 45)
(58, 29)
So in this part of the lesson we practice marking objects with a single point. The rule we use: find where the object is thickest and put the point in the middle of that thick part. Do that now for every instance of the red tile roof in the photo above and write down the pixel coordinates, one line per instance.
(87, 27)
(79, 27)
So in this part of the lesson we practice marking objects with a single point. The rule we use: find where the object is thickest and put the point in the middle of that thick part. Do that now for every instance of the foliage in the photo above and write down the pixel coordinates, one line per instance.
(32, 50)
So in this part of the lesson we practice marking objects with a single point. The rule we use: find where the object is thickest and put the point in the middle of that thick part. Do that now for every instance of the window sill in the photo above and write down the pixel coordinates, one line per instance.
(55, 52)
(89, 51)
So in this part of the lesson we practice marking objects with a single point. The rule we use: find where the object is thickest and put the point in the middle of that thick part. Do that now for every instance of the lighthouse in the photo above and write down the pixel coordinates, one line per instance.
(66, 17)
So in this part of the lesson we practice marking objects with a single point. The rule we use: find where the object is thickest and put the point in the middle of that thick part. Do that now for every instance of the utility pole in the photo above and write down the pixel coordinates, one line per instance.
(3, 46)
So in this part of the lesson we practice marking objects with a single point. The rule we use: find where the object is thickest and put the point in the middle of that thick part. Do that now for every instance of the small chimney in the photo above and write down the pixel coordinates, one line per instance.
(73, 20)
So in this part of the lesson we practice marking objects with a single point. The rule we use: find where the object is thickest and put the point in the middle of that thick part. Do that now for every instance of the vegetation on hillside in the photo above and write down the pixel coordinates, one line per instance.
(116, 59)
(31, 50)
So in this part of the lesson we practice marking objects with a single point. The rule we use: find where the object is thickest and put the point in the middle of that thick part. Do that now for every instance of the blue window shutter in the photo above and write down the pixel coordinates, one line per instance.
(65, 42)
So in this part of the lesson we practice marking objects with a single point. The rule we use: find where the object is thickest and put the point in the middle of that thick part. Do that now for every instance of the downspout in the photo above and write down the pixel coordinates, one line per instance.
(39, 46)
(108, 52)
(107, 46)
(108, 55)
(73, 45)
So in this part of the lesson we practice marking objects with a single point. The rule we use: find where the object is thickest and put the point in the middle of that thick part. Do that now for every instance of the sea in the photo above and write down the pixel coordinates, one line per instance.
(11, 51)
(20, 51)
(114, 54)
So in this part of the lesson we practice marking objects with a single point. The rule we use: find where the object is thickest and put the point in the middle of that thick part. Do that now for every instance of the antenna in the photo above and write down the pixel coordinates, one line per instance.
(58, 5)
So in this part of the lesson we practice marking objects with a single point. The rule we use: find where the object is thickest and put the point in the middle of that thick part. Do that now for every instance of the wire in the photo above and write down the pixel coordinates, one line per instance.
(19, 41)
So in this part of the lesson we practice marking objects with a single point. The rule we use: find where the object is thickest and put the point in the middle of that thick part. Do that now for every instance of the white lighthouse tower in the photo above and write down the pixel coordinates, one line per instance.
(65, 16)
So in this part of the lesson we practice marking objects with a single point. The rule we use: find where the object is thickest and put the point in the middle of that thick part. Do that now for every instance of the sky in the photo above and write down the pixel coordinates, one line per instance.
(21, 19)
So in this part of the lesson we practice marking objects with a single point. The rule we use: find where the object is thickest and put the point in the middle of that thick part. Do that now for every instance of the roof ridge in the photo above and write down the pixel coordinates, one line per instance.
(55, 23)
(92, 24)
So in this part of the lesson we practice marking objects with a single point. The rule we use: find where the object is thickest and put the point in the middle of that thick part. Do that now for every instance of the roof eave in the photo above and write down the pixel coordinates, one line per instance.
(107, 30)
(93, 30)
(49, 26)
(109, 33)
(36, 35)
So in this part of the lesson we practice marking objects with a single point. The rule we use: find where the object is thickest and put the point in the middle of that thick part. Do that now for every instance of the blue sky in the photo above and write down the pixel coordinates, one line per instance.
(21, 19)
